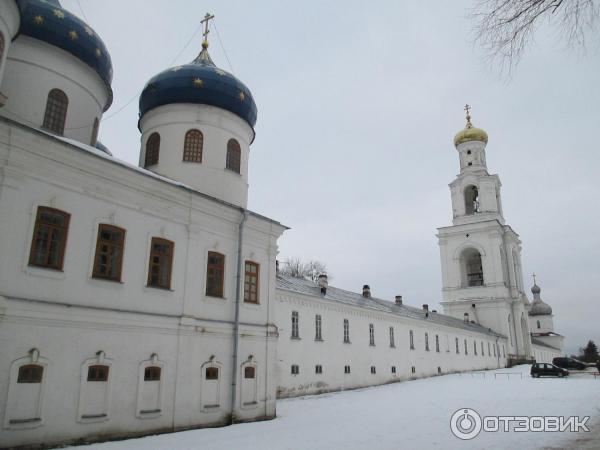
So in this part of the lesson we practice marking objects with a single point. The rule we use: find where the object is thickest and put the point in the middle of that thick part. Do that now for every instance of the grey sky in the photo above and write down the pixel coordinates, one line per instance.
(358, 104)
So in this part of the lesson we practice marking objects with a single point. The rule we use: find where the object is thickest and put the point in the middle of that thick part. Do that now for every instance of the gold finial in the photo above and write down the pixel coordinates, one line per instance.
(468, 110)
(533, 275)
(207, 17)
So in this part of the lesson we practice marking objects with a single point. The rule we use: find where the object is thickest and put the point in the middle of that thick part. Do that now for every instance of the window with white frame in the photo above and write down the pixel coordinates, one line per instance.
(392, 342)
(295, 325)
(318, 334)
(371, 335)
(427, 341)
(411, 339)
(346, 331)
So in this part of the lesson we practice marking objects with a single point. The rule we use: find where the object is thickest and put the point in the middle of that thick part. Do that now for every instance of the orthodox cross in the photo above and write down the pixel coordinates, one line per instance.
(533, 275)
(468, 110)
(205, 21)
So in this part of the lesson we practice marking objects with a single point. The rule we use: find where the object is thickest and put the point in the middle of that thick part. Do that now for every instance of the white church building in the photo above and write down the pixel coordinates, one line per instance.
(146, 299)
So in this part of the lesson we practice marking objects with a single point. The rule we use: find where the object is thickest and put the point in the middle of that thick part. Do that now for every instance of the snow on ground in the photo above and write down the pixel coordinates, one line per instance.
(407, 415)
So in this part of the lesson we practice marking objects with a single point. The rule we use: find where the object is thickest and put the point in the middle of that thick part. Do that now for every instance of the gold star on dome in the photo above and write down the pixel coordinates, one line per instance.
(176, 69)
(98, 53)
(58, 13)
(73, 35)
(38, 20)
(89, 31)
(221, 72)
(242, 96)
(198, 82)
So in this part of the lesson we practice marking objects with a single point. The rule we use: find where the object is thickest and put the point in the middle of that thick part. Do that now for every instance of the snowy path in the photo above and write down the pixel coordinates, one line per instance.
(408, 415)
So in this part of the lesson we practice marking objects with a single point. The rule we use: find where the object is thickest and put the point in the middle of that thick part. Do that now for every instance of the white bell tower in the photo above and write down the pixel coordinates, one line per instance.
(480, 254)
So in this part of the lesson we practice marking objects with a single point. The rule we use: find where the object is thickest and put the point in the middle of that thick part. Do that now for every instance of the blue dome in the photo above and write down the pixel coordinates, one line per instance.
(199, 82)
(47, 21)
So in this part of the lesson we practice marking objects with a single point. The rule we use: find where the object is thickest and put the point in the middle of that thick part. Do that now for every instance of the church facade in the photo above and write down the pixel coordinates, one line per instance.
(145, 299)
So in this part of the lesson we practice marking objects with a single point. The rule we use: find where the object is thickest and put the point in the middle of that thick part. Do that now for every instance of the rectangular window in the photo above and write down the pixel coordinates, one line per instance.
(482, 352)
(457, 350)
(413, 369)
(346, 369)
(475, 348)
(346, 331)
(109, 253)
(215, 274)
(427, 341)
(49, 238)
(392, 342)
(251, 282)
(30, 373)
(161, 260)
(98, 373)
(371, 335)
(393, 369)
(437, 343)
(489, 350)
(249, 372)
(494, 347)
(212, 373)
(295, 327)
(318, 369)
(466, 348)
(373, 370)
(295, 369)
(411, 339)
(318, 335)
(152, 373)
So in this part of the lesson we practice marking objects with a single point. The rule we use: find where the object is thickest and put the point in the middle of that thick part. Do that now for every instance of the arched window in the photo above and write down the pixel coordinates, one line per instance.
(471, 200)
(152, 150)
(192, 147)
(56, 111)
(234, 156)
(94, 138)
(472, 268)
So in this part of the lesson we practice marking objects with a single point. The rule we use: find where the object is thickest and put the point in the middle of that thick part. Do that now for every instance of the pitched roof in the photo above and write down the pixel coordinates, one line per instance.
(336, 295)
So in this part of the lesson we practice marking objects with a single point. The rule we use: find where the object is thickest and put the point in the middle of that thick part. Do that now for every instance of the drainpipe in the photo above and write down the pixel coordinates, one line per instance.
(236, 325)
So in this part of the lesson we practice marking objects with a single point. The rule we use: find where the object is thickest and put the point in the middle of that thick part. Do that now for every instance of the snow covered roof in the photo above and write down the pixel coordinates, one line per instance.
(307, 287)
(535, 341)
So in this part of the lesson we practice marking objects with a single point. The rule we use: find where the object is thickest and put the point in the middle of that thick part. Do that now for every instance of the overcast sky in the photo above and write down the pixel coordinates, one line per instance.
(358, 103)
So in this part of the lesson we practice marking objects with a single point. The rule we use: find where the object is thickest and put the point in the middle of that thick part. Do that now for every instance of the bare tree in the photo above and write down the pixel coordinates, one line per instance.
(505, 27)
(310, 270)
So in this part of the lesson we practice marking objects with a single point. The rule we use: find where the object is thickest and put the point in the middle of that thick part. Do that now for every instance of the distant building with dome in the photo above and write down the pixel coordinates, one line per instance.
(144, 299)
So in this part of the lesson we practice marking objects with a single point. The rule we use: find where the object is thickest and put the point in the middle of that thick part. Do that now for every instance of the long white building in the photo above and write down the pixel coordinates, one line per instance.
(145, 299)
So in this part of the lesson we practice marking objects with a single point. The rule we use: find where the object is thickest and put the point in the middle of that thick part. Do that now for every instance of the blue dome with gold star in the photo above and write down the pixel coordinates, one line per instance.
(199, 82)
(48, 21)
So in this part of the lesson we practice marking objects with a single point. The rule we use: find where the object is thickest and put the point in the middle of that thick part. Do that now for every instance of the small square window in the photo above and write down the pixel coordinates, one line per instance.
(249, 372)
(413, 369)
(98, 373)
(152, 373)
(295, 369)
(318, 369)
(373, 370)
(212, 373)
(393, 369)
(346, 369)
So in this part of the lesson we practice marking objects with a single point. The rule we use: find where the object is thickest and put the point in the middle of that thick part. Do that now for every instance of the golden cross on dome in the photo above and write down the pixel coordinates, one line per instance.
(205, 21)
(468, 110)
